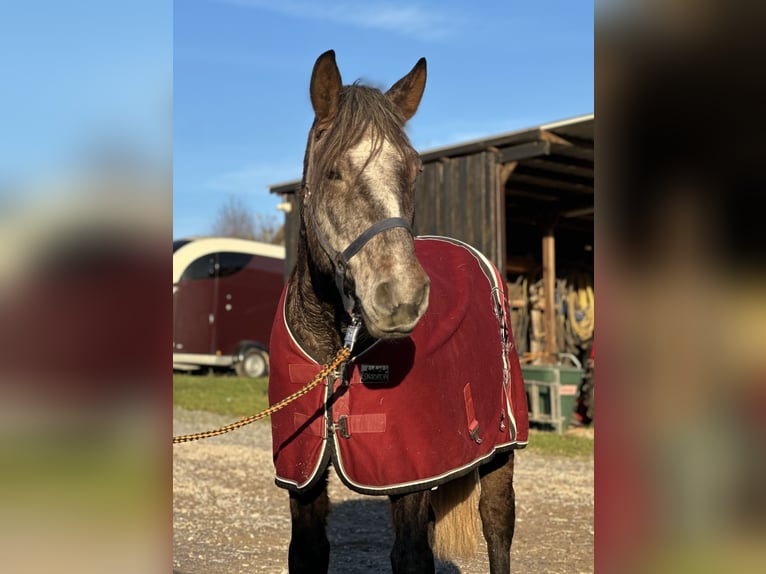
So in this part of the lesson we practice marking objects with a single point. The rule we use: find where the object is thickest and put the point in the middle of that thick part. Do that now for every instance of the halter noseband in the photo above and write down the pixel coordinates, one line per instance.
(341, 263)
(340, 260)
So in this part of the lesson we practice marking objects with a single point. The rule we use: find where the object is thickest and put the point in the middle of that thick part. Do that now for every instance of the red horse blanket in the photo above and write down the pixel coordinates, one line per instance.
(411, 413)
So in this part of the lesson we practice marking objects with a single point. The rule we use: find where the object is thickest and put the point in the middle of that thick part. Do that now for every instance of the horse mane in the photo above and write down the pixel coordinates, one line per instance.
(361, 110)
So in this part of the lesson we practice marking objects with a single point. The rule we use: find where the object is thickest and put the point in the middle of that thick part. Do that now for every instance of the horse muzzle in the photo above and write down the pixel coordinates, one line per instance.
(396, 306)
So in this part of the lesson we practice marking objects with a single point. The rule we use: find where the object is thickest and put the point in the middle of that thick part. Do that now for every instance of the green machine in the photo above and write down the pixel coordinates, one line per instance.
(552, 391)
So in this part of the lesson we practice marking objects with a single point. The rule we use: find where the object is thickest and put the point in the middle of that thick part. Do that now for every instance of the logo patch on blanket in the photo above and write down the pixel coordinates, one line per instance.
(373, 373)
(412, 412)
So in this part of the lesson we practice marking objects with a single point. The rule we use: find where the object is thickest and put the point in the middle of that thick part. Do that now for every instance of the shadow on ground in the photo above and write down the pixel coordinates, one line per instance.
(361, 537)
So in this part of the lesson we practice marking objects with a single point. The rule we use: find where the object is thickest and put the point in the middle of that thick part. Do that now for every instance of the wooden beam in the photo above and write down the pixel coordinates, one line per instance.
(568, 159)
(515, 193)
(575, 152)
(575, 212)
(574, 141)
(549, 285)
(529, 169)
(571, 184)
(553, 138)
(550, 164)
(502, 174)
(524, 151)
(467, 148)
(506, 170)
(518, 184)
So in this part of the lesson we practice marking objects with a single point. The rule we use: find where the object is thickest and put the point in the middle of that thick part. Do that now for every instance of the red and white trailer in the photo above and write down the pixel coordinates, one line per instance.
(225, 294)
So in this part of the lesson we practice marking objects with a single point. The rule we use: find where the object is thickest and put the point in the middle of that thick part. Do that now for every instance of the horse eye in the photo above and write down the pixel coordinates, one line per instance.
(334, 175)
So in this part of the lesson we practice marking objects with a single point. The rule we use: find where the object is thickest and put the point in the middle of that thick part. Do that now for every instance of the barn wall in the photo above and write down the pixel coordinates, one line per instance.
(292, 226)
(458, 197)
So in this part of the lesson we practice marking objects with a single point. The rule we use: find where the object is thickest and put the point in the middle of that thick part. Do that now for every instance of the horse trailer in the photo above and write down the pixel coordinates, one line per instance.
(225, 295)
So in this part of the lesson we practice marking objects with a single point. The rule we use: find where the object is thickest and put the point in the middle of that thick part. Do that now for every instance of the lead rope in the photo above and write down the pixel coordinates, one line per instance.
(341, 356)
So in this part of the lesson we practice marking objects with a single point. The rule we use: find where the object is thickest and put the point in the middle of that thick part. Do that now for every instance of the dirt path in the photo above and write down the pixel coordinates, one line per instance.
(230, 518)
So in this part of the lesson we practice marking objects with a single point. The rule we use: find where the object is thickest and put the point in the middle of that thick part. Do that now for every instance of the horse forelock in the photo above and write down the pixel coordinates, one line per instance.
(363, 112)
(367, 132)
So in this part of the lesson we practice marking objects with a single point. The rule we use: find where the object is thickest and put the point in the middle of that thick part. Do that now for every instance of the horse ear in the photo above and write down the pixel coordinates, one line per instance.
(407, 92)
(325, 87)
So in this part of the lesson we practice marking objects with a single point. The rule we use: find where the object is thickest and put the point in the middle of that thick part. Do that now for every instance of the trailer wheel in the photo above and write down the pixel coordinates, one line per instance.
(254, 363)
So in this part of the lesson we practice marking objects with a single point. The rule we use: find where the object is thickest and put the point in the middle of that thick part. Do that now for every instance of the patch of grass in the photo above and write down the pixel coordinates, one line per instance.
(567, 444)
(77, 474)
(222, 394)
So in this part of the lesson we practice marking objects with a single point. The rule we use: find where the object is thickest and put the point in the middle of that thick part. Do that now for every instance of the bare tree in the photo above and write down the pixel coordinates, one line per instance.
(236, 219)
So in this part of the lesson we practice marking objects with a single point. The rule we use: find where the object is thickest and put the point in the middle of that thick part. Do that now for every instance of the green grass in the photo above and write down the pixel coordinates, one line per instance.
(567, 444)
(226, 395)
(78, 474)
(239, 397)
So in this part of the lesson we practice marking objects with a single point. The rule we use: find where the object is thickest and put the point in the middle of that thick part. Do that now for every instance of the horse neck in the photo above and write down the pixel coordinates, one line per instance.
(314, 311)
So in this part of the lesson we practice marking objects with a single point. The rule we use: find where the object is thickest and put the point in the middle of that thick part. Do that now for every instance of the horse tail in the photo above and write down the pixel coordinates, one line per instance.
(457, 525)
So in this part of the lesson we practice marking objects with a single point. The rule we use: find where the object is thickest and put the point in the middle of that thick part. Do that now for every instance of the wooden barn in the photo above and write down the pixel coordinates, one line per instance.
(525, 199)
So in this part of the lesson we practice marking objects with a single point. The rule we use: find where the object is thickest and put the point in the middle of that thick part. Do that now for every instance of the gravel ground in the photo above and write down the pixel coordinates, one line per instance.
(230, 518)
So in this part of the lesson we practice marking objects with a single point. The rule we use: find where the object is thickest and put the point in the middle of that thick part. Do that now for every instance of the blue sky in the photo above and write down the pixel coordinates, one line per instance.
(78, 76)
(84, 75)
(241, 68)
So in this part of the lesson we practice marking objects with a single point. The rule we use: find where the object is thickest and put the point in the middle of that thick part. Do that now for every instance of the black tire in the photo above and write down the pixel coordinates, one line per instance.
(584, 406)
(254, 364)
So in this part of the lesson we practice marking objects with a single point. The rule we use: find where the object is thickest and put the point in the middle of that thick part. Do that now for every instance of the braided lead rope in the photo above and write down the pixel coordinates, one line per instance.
(342, 355)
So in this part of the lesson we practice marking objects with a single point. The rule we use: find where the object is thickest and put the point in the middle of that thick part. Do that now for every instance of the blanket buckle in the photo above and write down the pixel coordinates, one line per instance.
(342, 426)
(473, 431)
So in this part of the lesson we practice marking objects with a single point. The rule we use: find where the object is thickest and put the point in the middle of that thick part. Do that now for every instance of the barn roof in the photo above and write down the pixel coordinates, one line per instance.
(552, 172)
(552, 169)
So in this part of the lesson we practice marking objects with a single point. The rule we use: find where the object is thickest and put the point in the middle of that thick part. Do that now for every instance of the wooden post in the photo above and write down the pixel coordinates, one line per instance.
(504, 172)
(549, 284)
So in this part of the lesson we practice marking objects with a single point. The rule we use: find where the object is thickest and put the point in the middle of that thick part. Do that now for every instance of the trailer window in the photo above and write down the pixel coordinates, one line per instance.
(230, 263)
(201, 268)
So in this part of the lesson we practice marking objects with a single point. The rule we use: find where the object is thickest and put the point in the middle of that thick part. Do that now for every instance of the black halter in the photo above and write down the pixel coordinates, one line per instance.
(341, 263)
(340, 260)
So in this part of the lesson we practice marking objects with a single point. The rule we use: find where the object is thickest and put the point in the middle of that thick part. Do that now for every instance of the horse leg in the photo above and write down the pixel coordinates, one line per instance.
(497, 507)
(411, 553)
(309, 551)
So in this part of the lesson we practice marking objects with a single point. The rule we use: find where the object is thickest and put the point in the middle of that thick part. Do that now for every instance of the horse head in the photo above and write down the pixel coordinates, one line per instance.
(358, 196)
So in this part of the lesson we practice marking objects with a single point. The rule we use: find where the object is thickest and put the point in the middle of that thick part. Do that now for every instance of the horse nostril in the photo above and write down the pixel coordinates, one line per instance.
(400, 306)
(384, 297)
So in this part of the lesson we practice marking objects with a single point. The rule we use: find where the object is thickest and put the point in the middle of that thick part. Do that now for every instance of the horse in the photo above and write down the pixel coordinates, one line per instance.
(357, 277)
